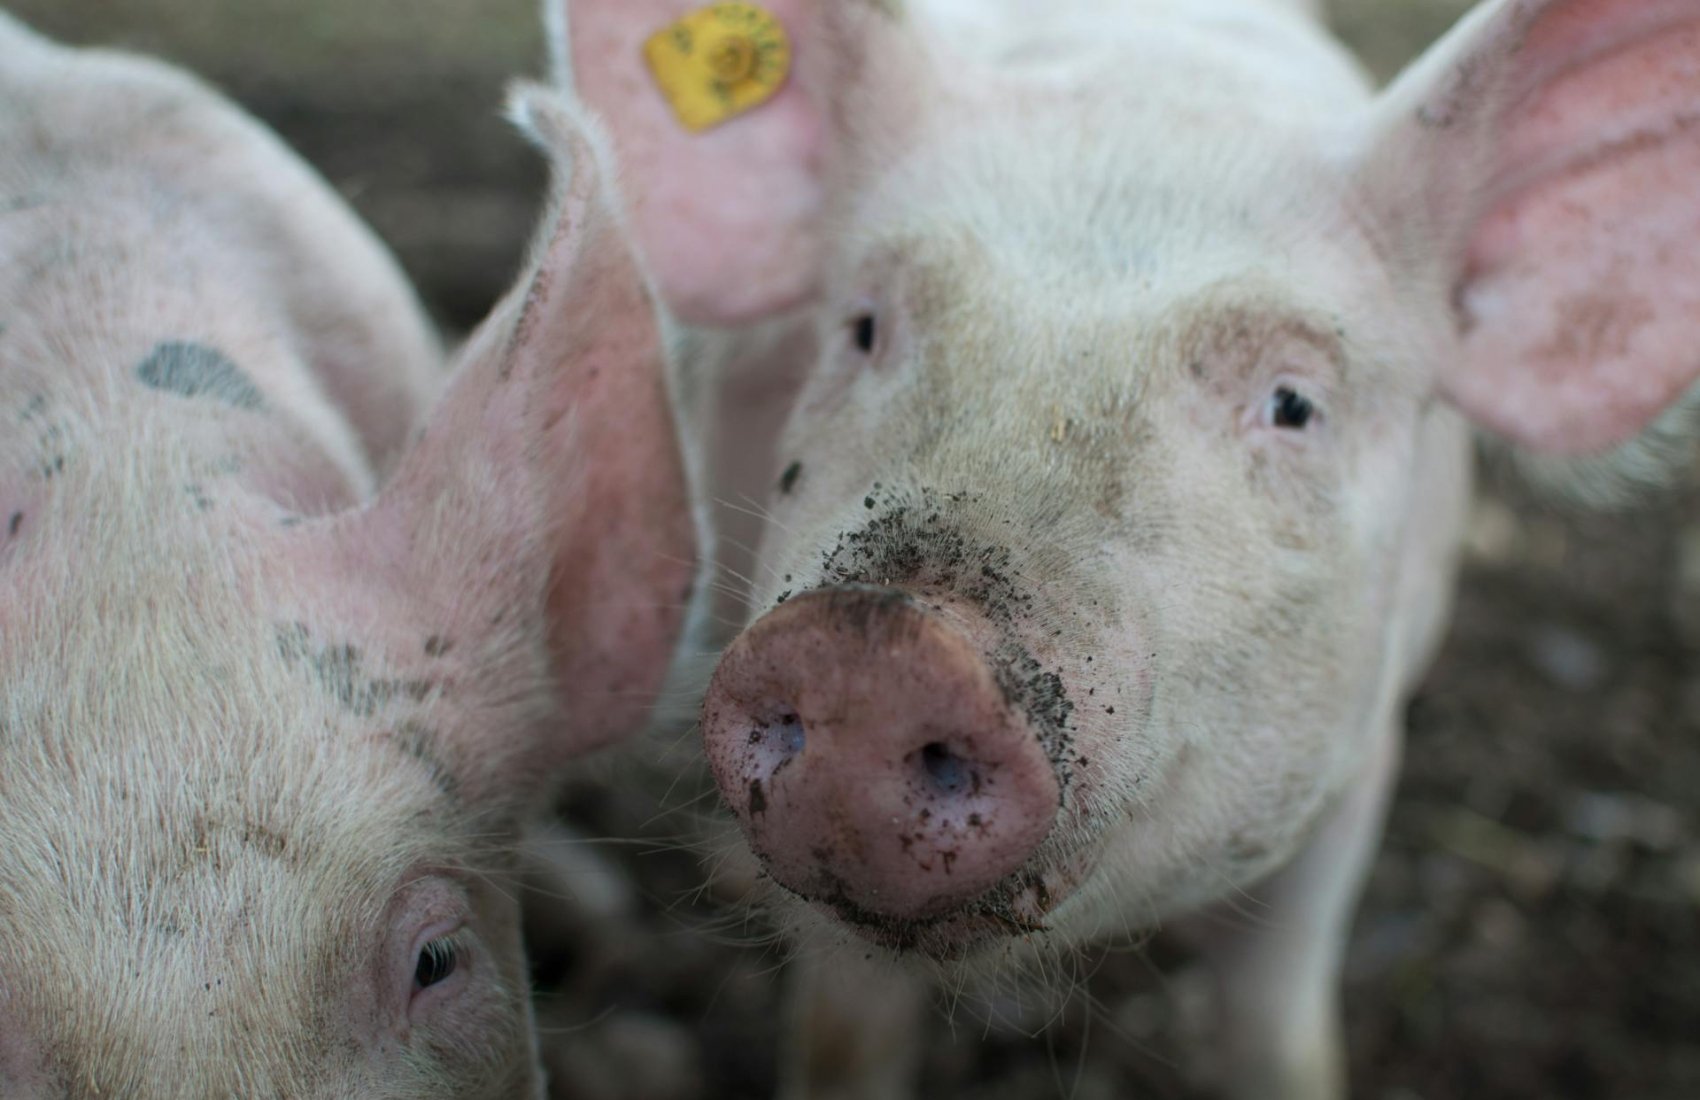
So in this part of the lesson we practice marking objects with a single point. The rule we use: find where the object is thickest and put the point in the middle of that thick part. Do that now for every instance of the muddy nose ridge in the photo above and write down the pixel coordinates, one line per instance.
(871, 756)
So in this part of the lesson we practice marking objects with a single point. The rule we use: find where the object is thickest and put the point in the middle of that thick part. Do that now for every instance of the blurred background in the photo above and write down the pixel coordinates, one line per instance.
(1532, 927)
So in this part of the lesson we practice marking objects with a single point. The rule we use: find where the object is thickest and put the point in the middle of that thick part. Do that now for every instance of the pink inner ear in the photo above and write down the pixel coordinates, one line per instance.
(1582, 295)
(726, 218)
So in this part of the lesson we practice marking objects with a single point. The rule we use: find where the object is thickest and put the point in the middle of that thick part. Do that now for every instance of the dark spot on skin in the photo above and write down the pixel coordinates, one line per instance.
(758, 800)
(196, 370)
(292, 641)
(437, 645)
(420, 742)
(13, 524)
(783, 596)
(867, 502)
(267, 840)
(198, 495)
(289, 521)
(788, 479)
(340, 671)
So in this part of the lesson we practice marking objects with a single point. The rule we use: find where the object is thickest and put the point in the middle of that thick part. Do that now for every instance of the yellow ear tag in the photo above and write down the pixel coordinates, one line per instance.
(718, 62)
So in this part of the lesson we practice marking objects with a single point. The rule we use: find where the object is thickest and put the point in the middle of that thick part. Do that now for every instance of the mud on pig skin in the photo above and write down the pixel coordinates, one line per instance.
(269, 735)
(1156, 312)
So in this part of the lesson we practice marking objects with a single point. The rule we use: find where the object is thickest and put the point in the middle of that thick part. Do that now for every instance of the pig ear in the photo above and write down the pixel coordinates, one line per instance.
(548, 487)
(729, 217)
(1549, 150)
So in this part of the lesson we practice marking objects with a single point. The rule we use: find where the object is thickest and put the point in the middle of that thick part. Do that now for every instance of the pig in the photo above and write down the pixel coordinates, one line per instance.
(1120, 460)
(293, 645)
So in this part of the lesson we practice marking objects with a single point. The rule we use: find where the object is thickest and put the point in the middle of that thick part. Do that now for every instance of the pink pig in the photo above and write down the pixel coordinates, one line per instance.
(268, 739)
(1106, 370)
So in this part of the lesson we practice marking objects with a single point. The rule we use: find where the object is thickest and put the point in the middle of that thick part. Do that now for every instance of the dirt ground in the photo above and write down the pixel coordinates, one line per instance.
(1532, 927)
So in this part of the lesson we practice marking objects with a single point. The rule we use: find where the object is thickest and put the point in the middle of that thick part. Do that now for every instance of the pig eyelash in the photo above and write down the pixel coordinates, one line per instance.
(437, 961)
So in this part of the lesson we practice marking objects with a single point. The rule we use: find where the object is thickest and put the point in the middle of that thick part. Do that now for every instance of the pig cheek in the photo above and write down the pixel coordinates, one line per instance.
(486, 1024)
(504, 1022)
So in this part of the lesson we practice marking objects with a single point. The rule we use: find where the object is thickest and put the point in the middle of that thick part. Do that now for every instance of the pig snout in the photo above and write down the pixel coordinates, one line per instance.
(874, 760)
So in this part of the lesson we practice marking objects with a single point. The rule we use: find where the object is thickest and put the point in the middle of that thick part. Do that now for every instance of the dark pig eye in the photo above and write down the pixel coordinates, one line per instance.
(437, 961)
(1288, 409)
(864, 331)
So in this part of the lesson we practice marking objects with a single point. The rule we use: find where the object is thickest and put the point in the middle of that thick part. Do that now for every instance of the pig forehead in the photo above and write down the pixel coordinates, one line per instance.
(1247, 54)
(175, 774)
(1111, 225)
(1115, 239)
(1167, 163)
(136, 989)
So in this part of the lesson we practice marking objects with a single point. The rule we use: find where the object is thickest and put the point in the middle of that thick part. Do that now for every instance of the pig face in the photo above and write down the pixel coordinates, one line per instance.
(263, 768)
(1099, 527)
(1167, 512)
(247, 853)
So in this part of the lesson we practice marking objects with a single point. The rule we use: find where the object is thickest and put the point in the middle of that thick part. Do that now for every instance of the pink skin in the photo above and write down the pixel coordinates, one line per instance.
(875, 760)
(683, 196)
(1494, 226)
(1164, 306)
(269, 739)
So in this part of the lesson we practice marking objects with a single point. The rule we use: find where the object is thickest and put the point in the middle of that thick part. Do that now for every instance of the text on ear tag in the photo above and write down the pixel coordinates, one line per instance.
(718, 62)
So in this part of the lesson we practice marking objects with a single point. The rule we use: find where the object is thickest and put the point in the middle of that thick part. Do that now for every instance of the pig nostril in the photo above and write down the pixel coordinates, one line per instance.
(791, 735)
(948, 772)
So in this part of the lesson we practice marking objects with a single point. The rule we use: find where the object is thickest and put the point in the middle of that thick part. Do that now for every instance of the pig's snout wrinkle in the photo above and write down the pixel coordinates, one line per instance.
(875, 763)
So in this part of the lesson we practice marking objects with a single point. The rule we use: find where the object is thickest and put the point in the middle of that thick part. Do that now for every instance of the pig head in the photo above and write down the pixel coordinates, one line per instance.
(1116, 508)
(1115, 512)
(267, 738)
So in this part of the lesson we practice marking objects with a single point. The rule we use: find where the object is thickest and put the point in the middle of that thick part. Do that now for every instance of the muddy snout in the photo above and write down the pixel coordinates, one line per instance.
(874, 761)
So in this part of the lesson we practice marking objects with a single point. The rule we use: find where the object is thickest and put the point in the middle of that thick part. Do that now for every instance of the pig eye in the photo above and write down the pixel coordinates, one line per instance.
(1290, 409)
(437, 961)
(864, 332)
